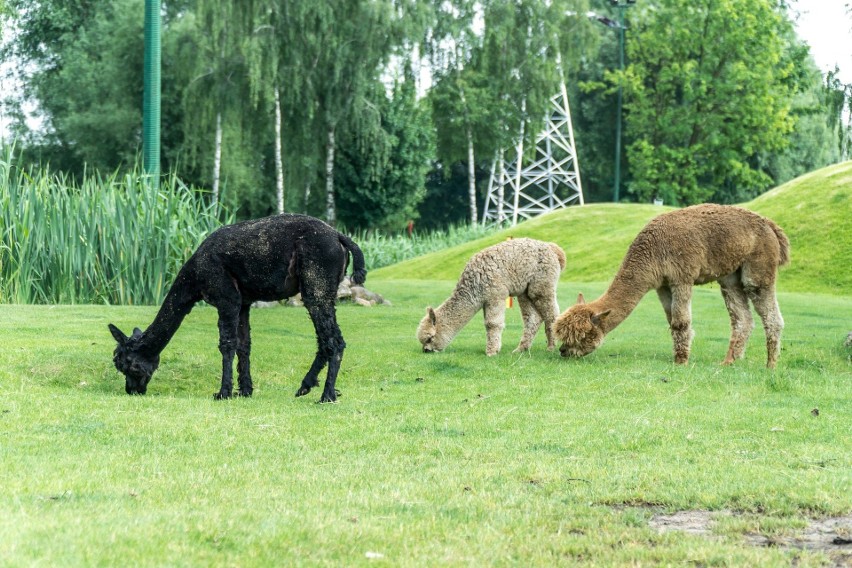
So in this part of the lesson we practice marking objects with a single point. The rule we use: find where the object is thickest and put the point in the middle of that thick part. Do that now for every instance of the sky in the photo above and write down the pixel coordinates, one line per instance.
(827, 27)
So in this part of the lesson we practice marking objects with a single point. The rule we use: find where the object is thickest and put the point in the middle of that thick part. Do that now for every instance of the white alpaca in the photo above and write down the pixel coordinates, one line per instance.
(524, 268)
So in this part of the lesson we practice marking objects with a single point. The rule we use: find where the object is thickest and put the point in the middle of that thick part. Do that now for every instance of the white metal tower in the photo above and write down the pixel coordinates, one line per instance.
(551, 181)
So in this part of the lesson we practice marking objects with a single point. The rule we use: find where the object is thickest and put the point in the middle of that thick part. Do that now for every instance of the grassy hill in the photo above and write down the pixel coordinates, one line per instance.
(815, 211)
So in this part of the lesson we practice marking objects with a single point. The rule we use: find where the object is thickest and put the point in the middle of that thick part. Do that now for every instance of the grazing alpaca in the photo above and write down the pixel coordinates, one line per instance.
(266, 259)
(739, 249)
(525, 268)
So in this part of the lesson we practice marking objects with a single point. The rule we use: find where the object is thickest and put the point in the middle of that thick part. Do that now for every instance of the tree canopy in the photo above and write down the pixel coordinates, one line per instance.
(367, 110)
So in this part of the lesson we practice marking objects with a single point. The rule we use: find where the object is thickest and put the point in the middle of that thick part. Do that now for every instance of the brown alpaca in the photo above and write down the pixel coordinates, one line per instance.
(524, 268)
(739, 249)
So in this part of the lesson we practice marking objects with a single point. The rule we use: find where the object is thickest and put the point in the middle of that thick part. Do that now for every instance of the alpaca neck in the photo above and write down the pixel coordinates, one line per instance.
(178, 303)
(622, 297)
(455, 313)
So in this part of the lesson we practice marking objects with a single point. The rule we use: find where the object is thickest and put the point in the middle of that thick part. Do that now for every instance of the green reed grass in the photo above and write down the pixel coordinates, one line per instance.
(108, 239)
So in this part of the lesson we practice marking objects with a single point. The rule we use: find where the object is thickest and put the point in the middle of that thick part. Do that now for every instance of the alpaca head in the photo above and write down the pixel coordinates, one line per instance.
(136, 367)
(580, 328)
(431, 334)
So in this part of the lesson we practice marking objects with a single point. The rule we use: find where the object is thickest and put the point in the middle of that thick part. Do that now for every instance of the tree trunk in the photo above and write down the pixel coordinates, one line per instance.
(217, 157)
(471, 177)
(307, 196)
(279, 166)
(330, 209)
(520, 168)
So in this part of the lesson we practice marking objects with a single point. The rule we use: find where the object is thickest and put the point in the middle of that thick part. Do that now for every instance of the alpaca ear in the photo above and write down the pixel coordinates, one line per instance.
(432, 317)
(580, 298)
(597, 319)
(137, 333)
(117, 334)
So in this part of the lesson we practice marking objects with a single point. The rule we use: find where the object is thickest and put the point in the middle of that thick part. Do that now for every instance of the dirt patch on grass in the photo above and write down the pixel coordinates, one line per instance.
(832, 535)
(691, 522)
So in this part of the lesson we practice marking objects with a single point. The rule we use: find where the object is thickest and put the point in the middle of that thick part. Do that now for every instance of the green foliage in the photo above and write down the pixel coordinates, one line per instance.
(87, 84)
(383, 181)
(813, 210)
(814, 140)
(704, 98)
(452, 458)
(106, 240)
(447, 200)
(719, 115)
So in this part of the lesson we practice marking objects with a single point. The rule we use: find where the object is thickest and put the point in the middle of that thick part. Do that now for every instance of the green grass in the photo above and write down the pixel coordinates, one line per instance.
(814, 210)
(446, 459)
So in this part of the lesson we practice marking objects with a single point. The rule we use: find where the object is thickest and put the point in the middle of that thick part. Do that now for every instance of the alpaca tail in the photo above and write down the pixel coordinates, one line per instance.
(359, 272)
(560, 254)
(783, 242)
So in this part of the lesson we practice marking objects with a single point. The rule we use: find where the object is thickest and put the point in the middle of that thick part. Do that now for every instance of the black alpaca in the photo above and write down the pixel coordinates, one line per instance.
(266, 259)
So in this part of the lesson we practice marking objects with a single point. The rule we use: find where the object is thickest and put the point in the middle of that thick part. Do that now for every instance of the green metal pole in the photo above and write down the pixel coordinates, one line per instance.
(617, 183)
(151, 94)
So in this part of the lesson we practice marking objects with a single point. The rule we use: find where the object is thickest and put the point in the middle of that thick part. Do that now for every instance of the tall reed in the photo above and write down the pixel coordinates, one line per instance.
(112, 239)
(105, 240)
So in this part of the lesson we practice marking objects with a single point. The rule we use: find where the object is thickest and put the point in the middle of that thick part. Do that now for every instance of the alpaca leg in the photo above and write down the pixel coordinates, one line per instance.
(665, 295)
(330, 346)
(681, 325)
(244, 352)
(334, 345)
(311, 377)
(495, 320)
(766, 306)
(228, 325)
(532, 321)
(741, 321)
(548, 309)
(321, 272)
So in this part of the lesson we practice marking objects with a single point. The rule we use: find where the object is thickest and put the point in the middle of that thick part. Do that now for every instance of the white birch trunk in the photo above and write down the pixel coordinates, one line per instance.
(471, 177)
(307, 196)
(330, 209)
(217, 157)
(279, 165)
(519, 167)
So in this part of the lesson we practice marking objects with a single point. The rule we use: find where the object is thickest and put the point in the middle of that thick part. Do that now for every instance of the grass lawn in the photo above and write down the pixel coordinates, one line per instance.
(445, 459)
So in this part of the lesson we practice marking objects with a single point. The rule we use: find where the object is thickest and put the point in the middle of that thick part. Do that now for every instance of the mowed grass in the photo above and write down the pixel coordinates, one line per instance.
(445, 459)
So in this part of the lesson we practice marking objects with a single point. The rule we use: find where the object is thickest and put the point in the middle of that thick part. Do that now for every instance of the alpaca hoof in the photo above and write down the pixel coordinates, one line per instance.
(245, 393)
(520, 349)
(727, 362)
(221, 395)
(329, 398)
(303, 390)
